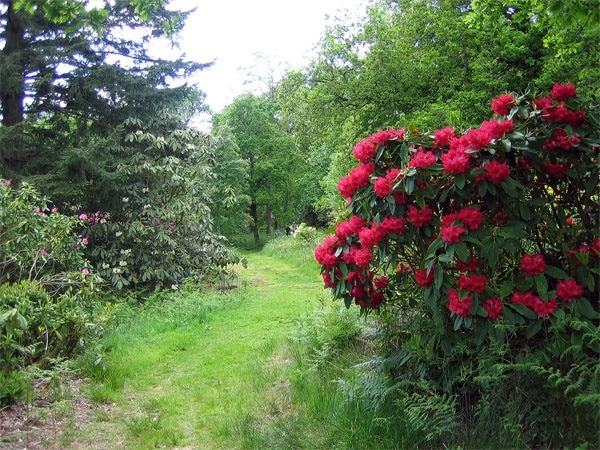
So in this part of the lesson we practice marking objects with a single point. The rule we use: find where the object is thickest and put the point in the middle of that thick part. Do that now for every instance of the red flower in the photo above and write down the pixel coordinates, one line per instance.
(503, 104)
(558, 170)
(458, 306)
(496, 172)
(422, 160)
(424, 279)
(471, 217)
(533, 265)
(420, 217)
(327, 280)
(401, 198)
(470, 266)
(543, 308)
(456, 162)
(524, 298)
(325, 253)
(568, 290)
(352, 226)
(364, 150)
(392, 224)
(473, 283)
(369, 237)
(562, 92)
(382, 187)
(452, 234)
(444, 137)
(494, 308)
(381, 282)
(384, 136)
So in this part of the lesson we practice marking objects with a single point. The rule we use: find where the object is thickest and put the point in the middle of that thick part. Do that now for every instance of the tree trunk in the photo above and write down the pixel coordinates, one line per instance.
(268, 218)
(12, 93)
(254, 226)
(12, 84)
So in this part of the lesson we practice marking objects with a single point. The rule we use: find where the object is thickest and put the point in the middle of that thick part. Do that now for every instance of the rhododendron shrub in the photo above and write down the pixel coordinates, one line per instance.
(493, 227)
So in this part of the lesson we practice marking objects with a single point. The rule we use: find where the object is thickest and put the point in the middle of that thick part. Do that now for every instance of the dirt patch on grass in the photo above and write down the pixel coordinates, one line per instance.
(55, 410)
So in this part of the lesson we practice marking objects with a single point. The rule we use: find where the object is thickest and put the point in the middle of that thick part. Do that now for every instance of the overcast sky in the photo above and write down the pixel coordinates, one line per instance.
(231, 32)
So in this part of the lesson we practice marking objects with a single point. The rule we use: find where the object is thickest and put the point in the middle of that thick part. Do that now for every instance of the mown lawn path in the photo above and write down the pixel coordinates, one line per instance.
(196, 381)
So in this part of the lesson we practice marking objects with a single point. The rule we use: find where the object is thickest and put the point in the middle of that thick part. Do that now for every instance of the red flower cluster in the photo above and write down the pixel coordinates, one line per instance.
(533, 265)
(466, 200)
(503, 104)
(460, 307)
(568, 290)
(535, 303)
(422, 159)
(419, 217)
(494, 308)
(473, 283)
(383, 185)
(357, 178)
(496, 172)
(424, 277)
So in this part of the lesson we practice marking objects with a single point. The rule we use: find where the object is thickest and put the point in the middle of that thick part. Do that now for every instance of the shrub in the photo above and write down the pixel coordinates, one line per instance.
(481, 240)
(36, 242)
(158, 230)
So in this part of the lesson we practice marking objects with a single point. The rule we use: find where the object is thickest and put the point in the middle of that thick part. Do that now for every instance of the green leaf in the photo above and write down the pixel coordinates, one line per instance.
(460, 181)
(509, 186)
(541, 284)
(523, 311)
(586, 309)
(533, 329)
(556, 273)
(493, 254)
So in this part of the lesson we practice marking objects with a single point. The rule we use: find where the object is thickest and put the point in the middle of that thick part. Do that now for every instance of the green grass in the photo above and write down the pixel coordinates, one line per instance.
(187, 370)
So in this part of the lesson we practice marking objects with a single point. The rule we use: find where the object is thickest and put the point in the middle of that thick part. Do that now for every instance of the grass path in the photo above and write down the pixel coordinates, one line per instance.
(190, 382)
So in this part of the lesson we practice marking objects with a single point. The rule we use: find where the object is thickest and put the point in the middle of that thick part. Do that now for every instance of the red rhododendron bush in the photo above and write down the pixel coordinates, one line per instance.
(490, 235)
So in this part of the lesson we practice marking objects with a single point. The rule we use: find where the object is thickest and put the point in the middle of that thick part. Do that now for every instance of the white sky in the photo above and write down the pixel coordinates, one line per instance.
(231, 32)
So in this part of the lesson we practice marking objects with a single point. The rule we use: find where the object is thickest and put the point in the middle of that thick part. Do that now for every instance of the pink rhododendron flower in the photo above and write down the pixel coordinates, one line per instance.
(6, 183)
(42, 251)
(85, 271)
(533, 265)
(420, 217)
(494, 308)
(496, 172)
(327, 280)
(460, 307)
(325, 253)
(568, 290)
(503, 104)
(562, 92)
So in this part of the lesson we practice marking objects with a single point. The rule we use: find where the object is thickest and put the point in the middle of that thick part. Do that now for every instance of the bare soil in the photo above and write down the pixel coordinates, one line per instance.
(54, 412)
